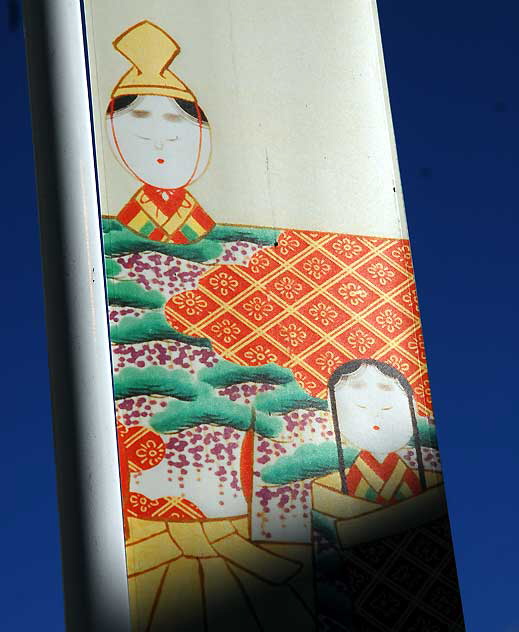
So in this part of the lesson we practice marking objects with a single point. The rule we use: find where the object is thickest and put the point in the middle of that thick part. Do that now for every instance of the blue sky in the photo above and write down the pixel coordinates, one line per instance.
(452, 69)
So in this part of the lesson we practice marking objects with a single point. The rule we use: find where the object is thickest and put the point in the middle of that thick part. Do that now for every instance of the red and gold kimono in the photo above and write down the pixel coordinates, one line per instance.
(169, 216)
(384, 482)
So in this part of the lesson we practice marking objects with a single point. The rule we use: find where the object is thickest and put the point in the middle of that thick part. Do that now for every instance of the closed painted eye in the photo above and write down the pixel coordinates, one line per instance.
(171, 140)
(141, 114)
(361, 406)
(143, 137)
(387, 408)
(172, 118)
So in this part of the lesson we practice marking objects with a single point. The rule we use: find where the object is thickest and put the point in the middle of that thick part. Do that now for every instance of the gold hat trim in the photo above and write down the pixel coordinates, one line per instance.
(150, 50)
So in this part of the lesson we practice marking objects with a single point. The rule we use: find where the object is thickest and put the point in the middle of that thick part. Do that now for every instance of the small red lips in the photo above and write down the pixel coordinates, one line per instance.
(160, 161)
(376, 427)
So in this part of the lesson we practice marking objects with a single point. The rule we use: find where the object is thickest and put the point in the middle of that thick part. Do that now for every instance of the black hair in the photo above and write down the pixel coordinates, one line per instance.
(386, 369)
(121, 103)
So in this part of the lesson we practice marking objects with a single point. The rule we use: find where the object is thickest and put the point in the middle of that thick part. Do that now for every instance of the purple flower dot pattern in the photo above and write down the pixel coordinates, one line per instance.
(116, 313)
(430, 458)
(283, 513)
(167, 354)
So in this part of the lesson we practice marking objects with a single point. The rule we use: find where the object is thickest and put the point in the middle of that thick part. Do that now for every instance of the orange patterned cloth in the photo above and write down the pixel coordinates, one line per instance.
(311, 303)
(141, 448)
(167, 509)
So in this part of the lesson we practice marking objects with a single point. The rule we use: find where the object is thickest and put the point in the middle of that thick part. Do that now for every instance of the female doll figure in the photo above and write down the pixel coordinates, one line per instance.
(161, 135)
(374, 419)
(373, 411)
(375, 493)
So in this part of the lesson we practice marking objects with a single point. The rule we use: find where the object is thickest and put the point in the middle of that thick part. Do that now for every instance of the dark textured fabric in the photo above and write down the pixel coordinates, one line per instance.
(403, 583)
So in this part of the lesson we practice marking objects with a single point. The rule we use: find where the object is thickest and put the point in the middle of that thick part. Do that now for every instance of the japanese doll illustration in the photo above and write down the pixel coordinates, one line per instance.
(162, 136)
(273, 407)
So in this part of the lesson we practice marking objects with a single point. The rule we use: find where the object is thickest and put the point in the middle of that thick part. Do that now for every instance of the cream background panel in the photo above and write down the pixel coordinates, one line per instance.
(296, 96)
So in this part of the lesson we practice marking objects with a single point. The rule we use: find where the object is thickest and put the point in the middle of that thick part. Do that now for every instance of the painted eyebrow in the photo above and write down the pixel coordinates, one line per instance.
(385, 387)
(358, 384)
(171, 117)
(141, 113)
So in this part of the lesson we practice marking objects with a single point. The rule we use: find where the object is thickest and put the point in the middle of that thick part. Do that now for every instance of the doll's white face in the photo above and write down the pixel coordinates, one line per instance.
(373, 411)
(160, 142)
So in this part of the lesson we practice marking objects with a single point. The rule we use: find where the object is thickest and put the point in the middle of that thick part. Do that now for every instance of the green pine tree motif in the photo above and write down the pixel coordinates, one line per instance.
(193, 400)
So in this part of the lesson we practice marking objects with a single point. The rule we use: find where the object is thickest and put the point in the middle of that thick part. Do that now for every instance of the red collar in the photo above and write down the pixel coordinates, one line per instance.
(384, 469)
(165, 199)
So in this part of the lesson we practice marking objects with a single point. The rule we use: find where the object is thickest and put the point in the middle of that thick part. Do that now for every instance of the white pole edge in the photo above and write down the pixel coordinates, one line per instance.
(92, 536)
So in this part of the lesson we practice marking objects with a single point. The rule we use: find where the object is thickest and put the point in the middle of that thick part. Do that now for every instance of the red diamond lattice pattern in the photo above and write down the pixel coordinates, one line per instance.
(311, 303)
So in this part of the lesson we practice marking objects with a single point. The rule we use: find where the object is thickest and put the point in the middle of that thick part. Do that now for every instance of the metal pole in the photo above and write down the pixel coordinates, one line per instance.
(92, 539)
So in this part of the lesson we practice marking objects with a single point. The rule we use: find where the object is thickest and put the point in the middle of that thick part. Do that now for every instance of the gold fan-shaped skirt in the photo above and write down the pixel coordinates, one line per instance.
(208, 576)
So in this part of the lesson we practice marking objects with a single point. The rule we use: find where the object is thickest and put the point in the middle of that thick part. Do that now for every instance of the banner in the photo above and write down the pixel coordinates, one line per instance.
(278, 455)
